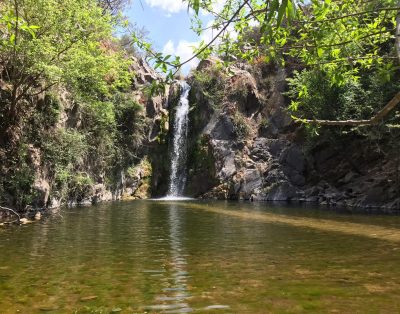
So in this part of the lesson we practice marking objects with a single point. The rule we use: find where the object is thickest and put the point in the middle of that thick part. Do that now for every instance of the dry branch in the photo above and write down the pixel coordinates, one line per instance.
(13, 212)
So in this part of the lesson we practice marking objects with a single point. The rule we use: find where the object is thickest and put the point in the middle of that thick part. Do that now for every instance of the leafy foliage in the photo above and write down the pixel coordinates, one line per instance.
(211, 83)
(340, 39)
(314, 96)
(64, 83)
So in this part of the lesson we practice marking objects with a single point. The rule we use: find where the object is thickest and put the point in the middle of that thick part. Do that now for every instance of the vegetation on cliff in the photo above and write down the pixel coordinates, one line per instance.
(338, 41)
(67, 117)
(70, 119)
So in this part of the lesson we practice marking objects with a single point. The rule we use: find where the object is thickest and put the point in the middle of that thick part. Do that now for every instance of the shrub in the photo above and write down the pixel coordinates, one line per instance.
(211, 83)
(241, 125)
(314, 97)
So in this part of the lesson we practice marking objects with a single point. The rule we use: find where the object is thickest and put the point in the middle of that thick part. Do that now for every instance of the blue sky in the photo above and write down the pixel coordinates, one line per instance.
(168, 24)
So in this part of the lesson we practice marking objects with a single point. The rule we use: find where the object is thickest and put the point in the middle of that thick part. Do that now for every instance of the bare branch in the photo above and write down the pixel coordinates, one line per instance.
(216, 36)
(11, 211)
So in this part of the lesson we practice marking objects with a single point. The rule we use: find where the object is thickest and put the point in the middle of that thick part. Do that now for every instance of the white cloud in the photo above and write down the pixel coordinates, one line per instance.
(217, 7)
(183, 49)
(169, 48)
(171, 6)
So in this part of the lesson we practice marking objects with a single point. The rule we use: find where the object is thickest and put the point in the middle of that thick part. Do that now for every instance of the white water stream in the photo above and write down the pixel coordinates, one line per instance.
(177, 178)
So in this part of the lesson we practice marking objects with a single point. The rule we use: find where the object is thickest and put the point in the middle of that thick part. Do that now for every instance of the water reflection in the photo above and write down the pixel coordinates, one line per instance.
(200, 257)
(175, 294)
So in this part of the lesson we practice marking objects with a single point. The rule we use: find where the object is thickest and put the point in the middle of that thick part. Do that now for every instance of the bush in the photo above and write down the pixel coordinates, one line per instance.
(80, 186)
(241, 125)
(64, 152)
(314, 97)
(211, 83)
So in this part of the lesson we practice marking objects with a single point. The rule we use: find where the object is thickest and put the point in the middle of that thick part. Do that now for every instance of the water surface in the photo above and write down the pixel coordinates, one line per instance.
(201, 257)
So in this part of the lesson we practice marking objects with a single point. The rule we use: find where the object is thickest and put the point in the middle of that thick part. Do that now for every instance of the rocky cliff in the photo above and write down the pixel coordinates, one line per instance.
(69, 152)
(244, 145)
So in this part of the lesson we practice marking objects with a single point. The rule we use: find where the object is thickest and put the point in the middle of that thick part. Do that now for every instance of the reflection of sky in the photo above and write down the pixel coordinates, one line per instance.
(175, 294)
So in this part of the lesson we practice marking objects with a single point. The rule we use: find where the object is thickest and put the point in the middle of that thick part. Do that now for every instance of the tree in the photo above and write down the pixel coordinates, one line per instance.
(50, 48)
(340, 38)
(113, 6)
(47, 42)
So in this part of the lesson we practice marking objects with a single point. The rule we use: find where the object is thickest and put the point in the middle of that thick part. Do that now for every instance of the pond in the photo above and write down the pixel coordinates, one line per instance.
(201, 257)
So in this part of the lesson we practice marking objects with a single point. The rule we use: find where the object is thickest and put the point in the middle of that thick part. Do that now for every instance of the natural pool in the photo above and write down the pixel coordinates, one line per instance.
(201, 257)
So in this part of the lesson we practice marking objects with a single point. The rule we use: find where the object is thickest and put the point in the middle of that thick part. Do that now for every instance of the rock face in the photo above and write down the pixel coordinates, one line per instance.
(247, 147)
(47, 178)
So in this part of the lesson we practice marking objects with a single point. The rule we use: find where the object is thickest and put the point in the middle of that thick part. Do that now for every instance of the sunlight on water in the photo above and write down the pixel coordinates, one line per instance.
(172, 199)
(370, 231)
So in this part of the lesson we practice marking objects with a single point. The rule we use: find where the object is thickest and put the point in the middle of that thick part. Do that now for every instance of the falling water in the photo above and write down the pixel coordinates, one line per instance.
(177, 178)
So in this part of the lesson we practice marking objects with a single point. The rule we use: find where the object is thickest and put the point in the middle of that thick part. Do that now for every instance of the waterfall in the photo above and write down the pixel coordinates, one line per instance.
(177, 177)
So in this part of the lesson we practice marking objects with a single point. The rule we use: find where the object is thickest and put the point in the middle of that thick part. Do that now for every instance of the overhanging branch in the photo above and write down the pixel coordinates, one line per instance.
(376, 119)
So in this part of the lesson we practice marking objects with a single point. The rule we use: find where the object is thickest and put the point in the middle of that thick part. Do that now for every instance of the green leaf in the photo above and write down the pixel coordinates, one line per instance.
(272, 10)
(320, 52)
(281, 12)
(196, 6)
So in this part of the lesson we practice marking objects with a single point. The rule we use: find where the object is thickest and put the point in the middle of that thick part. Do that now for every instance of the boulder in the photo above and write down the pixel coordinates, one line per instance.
(281, 192)
(42, 192)
(223, 129)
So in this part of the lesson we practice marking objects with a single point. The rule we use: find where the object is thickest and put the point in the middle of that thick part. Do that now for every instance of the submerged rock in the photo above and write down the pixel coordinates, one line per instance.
(89, 298)
(38, 216)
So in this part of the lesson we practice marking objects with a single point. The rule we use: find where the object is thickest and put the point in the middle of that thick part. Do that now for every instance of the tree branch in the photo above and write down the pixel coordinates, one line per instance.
(355, 14)
(264, 10)
(342, 43)
(11, 211)
(378, 117)
(216, 36)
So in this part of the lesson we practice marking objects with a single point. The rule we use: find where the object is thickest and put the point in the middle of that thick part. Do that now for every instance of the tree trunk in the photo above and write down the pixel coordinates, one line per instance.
(398, 35)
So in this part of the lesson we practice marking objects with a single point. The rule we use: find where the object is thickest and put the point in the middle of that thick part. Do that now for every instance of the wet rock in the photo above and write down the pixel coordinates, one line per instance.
(375, 195)
(88, 298)
(349, 177)
(251, 180)
(38, 216)
(49, 308)
(223, 129)
(293, 157)
(42, 192)
(54, 203)
(25, 221)
(281, 192)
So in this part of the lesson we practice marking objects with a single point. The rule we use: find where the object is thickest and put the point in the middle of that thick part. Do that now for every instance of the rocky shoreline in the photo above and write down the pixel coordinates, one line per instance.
(242, 145)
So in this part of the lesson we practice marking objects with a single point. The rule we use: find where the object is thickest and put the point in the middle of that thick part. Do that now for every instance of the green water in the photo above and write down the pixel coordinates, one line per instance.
(201, 257)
